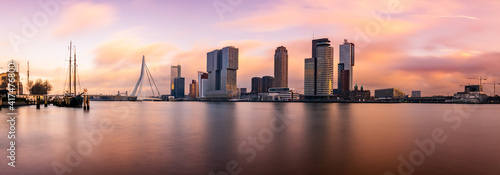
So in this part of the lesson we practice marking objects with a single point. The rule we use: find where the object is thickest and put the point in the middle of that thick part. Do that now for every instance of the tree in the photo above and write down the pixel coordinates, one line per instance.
(40, 87)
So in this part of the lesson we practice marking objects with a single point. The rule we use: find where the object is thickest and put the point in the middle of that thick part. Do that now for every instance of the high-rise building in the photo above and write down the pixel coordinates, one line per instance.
(203, 84)
(193, 89)
(179, 87)
(346, 57)
(221, 67)
(318, 75)
(281, 67)
(256, 85)
(310, 76)
(267, 83)
(175, 72)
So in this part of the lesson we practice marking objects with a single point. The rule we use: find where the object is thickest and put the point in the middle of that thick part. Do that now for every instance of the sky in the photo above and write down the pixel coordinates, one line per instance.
(431, 46)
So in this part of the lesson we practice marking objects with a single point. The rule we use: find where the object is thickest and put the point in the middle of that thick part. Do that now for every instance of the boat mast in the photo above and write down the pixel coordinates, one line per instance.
(74, 68)
(69, 68)
(28, 83)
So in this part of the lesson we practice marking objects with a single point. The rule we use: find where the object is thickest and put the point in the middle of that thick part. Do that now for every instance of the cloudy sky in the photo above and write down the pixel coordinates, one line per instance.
(432, 46)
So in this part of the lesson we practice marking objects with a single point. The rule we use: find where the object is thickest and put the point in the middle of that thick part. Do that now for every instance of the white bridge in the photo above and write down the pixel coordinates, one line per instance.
(138, 87)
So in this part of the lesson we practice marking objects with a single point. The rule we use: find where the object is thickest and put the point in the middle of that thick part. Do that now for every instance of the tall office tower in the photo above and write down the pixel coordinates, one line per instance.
(346, 57)
(324, 69)
(179, 87)
(193, 89)
(310, 77)
(318, 75)
(267, 82)
(175, 72)
(281, 67)
(221, 67)
(256, 85)
(202, 84)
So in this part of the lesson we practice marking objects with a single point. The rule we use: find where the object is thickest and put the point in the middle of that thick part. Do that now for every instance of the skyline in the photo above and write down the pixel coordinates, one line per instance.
(431, 47)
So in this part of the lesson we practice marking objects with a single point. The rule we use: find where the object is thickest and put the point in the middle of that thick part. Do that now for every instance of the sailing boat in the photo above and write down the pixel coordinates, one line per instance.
(71, 97)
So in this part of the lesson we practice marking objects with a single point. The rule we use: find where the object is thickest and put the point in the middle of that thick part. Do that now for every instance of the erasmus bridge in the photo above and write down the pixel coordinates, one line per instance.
(145, 73)
(137, 94)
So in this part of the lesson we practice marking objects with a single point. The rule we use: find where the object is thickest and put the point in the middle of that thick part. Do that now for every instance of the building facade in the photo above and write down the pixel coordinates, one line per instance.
(267, 83)
(281, 67)
(221, 67)
(346, 57)
(179, 84)
(202, 84)
(416, 94)
(175, 72)
(389, 94)
(310, 76)
(256, 85)
(193, 89)
(318, 75)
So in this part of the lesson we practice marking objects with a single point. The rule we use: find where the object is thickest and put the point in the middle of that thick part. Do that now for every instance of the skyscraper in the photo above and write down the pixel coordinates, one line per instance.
(175, 72)
(346, 57)
(318, 75)
(281, 67)
(221, 67)
(324, 69)
(310, 76)
(179, 84)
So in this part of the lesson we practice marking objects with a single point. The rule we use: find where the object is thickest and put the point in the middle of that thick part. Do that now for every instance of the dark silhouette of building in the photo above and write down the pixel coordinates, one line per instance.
(256, 85)
(179, 87)
(267, 83)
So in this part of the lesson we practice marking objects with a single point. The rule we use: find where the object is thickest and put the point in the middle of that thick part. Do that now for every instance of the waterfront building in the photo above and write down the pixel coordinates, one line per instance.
(175, 72)
(281, 67)
(221, 67)
(346, 66)
(279, 94)
(267, 82)
(193, 89)
(203, 84)
(4, 77)
(389, 94)
(416, 94)
(179, 87)
(318, 75)
(256, 85)
(359, 94)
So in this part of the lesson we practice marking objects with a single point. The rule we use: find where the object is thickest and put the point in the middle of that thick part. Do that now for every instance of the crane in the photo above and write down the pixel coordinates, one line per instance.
(480, 80)
(494, 87)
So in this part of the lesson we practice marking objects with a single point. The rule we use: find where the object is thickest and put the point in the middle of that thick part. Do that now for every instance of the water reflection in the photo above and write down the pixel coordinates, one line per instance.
(197, 138)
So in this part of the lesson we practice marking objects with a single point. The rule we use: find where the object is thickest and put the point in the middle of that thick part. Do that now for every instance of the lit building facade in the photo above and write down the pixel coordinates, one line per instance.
(389, 94)
(175, 72)
(193, 89)
(221, 67)
(318, 75)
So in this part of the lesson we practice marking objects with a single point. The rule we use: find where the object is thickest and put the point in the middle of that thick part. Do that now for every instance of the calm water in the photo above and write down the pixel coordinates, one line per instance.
(262, 138)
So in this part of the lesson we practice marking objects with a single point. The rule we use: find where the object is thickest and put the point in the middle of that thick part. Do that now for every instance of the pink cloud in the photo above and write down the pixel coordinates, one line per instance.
(84, 16)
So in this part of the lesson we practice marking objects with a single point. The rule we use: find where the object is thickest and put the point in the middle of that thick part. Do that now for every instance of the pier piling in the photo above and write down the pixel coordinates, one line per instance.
(38, 102)
(45, 100)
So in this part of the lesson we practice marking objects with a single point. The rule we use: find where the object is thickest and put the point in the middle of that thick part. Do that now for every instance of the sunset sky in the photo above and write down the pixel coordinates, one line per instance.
(432, 46)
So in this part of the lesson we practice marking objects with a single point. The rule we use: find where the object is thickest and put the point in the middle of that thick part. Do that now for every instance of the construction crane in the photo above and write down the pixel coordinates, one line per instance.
(494, 87)
(480, 80)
